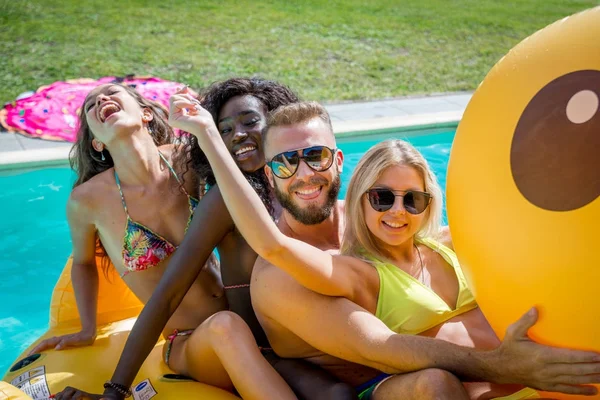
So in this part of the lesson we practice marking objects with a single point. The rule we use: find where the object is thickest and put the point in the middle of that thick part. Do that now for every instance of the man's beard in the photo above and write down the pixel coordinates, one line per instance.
(312, 214)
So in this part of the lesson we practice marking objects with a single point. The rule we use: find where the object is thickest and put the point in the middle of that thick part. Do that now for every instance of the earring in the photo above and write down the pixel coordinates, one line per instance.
(102, 158)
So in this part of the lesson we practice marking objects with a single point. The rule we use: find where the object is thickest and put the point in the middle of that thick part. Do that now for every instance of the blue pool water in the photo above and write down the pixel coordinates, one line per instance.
(35, 242)
(34, 246)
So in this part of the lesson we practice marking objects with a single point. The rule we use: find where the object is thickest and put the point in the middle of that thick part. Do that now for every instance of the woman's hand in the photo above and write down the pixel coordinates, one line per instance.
(78, 339)
(71, 393)
(186, 113)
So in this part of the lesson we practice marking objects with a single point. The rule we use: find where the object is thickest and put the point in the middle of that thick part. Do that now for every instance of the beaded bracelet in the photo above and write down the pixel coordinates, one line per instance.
(121, 389)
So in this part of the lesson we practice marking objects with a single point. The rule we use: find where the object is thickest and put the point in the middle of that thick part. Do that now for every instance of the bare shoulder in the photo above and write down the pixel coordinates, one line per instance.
(446, 237)
(269, 284)
(88, 196)
(264, 272)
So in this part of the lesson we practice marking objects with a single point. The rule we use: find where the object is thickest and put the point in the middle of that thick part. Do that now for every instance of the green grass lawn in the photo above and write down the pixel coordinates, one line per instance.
(325, 50)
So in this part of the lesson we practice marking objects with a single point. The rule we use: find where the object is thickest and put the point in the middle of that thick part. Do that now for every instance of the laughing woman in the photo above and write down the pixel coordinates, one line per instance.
(130, 204)
(229, 349)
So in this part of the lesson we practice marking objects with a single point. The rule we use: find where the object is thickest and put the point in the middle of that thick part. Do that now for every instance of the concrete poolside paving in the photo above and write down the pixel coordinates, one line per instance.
(348, 119)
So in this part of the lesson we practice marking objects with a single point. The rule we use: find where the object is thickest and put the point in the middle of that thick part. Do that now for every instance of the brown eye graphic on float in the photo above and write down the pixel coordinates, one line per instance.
(555, 151)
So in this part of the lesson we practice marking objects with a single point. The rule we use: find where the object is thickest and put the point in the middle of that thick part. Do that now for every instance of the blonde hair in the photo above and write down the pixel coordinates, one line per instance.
(357, 237)
(297, 113)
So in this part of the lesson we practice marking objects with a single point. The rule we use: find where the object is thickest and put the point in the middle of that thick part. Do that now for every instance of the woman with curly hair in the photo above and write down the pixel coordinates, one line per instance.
(228, 349)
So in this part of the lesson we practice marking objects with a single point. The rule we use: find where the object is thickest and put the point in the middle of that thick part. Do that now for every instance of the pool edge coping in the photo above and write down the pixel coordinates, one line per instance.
(59, 156)
(51, 157)
(405, 125)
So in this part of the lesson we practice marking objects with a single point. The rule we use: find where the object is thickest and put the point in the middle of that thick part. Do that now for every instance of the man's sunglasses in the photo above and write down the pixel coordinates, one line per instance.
(318, 158)
(383, 199)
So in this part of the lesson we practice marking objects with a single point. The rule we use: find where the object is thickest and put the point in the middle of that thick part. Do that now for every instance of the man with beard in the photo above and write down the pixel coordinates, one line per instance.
(336, 333)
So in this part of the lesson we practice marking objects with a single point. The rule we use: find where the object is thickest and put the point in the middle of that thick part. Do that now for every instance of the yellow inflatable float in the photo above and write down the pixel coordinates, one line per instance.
(524, 185)
(9, 392)
(87, 368)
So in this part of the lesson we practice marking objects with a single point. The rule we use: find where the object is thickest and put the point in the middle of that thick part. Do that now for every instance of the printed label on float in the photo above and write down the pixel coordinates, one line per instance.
(143, 391)
(33, 383)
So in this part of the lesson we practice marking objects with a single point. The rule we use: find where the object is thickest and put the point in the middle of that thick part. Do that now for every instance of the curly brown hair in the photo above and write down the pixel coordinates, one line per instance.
(270, 93)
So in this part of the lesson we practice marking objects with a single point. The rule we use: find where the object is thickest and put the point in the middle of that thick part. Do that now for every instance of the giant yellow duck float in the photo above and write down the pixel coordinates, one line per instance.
(524, 185)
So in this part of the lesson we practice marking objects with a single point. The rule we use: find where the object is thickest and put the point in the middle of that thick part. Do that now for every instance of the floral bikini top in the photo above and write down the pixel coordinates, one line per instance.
(143, 248)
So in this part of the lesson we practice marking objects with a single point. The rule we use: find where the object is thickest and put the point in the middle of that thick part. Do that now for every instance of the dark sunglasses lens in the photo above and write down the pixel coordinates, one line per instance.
(285, 165)
(381, 200)
(415, 202)
(318, 158)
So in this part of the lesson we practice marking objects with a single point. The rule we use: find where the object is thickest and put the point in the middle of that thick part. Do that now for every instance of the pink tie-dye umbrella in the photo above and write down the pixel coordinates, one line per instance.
(51, 113)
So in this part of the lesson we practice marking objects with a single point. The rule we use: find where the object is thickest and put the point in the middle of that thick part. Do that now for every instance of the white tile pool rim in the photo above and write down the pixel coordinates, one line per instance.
(407, 125)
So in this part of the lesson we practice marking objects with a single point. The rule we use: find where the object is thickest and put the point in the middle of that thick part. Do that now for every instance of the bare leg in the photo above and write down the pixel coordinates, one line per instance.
(222, 352)
(427, 384)
(311, 382)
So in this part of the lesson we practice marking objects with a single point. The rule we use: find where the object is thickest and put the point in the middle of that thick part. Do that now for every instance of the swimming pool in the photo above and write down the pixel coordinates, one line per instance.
(35, 239)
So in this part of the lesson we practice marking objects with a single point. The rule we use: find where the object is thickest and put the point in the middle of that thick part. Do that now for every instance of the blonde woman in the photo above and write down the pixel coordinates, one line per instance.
(391, 264)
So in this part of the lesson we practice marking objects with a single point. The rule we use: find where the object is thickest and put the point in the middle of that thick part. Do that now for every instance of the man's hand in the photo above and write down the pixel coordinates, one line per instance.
(521, 360)
(62, 342)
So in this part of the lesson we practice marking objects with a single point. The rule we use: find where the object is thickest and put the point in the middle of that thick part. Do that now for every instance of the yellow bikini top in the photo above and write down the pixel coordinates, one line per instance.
(408, 306)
